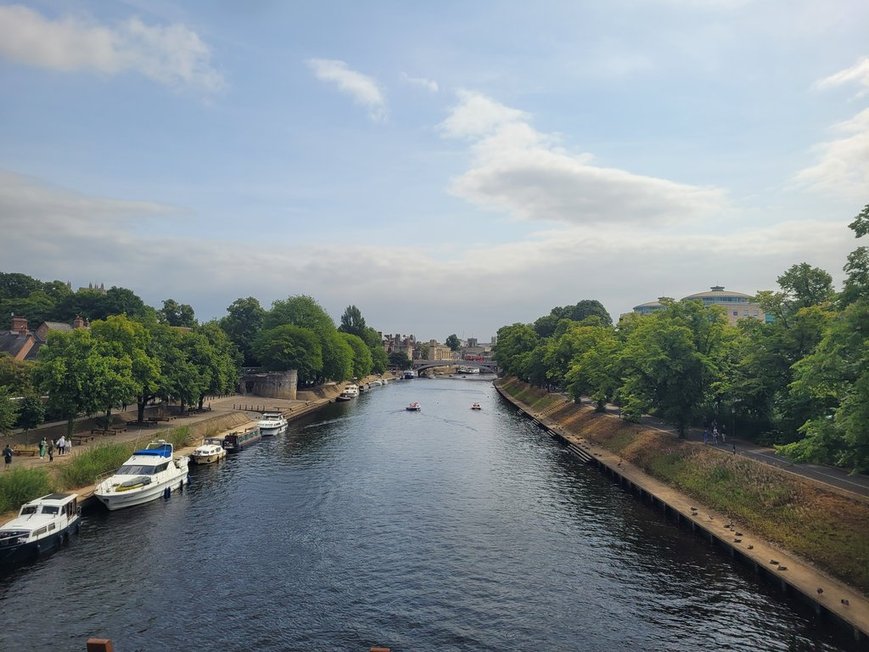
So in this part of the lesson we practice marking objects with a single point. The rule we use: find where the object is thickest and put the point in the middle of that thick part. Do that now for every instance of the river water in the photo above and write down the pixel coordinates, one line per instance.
(446, 529)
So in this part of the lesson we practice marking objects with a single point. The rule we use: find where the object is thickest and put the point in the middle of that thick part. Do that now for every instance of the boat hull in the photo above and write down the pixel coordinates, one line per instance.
(271, 432)
(11, 555)
(207, 459)
(114, 500)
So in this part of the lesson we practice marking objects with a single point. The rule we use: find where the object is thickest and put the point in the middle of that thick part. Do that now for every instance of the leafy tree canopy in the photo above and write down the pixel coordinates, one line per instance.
(176, 314)
(352, 321)
(453, 342)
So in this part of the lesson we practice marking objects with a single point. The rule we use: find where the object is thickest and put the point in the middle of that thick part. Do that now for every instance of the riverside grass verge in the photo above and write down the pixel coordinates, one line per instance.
(829, 530)
(20, 485)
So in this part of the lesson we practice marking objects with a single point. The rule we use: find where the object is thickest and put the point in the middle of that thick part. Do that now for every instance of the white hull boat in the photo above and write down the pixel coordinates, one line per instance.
(211, 450)
(272, 423)
(148, 474)
(42, 525)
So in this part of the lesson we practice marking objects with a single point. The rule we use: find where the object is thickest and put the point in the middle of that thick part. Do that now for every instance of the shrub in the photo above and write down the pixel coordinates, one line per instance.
(20, 485)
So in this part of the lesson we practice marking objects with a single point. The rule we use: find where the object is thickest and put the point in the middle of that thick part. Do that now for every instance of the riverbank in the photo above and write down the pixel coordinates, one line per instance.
(225, 414)
(819, 539)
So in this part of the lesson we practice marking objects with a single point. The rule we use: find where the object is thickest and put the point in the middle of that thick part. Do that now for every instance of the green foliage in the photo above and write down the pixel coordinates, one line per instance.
(291, 347)
(514, 348)
(243, 322)
(176, 314)
(19, 485)
(17, 375)
(87, 465)
(31, 412)
(300, 310)
(337, 357)
(362, 361)
(453, 342)
(8, 411)
(352, 322)
(400, 360)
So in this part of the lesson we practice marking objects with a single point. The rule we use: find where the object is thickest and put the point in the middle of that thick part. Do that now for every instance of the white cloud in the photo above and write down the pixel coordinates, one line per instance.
(858, 73)
(363, 89)
(172, 55)
(526, 173)
(422, 82)
(844, 163)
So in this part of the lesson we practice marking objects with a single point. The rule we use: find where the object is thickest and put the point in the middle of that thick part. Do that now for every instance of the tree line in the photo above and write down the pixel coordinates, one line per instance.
(799, 380)
(132, 354)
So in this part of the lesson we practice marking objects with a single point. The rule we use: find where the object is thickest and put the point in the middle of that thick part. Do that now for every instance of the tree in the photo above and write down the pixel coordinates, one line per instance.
(352, 321)
(379, 359)
(362, 362)
(400, 360)
(176, 314)
(31, 412)
(515, 344)
(287, 347)
(17, 375)
(243, 322)
(337, 357)
(804, 286)
(299, 310)
(453, 342)
(8, 411)
(14, 285)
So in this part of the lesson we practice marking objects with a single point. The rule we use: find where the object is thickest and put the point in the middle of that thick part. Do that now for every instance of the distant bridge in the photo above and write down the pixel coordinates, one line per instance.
(489, 366)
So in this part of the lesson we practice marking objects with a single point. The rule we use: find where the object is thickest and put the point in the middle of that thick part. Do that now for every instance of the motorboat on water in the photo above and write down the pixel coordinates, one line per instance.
(476, 406)
(350, 392)
(43, 525)
(148, 474)
(414, 407)
(408, 375)
(272, 423)
(209, 451)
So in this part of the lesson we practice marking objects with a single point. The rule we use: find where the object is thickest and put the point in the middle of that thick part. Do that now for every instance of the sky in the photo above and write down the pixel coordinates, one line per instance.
(448, 167)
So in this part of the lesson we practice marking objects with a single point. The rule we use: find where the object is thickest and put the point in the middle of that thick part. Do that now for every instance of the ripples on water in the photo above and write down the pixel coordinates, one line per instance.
(447, 529)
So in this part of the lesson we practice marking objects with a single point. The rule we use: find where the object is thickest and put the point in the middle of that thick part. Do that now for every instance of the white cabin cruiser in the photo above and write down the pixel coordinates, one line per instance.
(42, 525)
(350, 392)
(272, 423)
(148, 474)
(210, 450)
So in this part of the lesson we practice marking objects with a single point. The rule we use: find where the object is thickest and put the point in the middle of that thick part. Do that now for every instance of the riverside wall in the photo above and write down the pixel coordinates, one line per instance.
(828, 596)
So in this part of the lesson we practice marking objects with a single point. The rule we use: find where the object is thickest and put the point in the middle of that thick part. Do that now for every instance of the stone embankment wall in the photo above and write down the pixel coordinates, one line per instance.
(274, 384)
(749, 514)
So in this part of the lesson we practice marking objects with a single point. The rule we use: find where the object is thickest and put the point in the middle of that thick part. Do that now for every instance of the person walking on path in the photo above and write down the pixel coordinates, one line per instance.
(715, 436)
(51, 450)
(705, 435)
(723, 440)
(61, 445)
(7, 456)
(42, 446)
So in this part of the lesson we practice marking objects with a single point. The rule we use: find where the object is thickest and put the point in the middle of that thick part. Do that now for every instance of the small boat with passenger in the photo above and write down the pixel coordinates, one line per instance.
(148, 474)
(476, 406)
(43, 525)
(209, 451)
(414, 407)
(272, 423)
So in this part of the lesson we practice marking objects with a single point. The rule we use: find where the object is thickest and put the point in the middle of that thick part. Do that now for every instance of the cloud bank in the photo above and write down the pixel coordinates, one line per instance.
(526, 173)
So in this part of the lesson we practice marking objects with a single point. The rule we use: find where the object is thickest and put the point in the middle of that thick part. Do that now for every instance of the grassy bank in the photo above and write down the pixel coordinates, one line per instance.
(827, 529)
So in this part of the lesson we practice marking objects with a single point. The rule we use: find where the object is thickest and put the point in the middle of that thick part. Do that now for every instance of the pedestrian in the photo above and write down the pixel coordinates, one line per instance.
(723, 439)
(50, 450)
(61, 445)
(715, 436)
(42, 446)
(68, 446)
(705, 435)
(7, 456)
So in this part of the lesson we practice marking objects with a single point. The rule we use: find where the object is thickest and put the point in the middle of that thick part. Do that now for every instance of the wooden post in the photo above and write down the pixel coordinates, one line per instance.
(99, 645)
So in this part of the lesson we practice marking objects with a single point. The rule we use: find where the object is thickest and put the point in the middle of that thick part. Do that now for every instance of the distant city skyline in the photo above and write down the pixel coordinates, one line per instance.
(447, 168)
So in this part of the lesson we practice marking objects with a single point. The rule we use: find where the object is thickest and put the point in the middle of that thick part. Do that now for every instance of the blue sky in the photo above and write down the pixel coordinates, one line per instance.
(446, 167)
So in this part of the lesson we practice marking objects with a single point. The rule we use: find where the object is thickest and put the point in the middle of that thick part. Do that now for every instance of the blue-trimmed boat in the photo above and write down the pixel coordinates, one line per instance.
(43, 525)
(148, 474)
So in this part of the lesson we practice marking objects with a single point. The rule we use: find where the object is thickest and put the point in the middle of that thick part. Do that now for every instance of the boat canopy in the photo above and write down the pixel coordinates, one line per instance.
(162, 450)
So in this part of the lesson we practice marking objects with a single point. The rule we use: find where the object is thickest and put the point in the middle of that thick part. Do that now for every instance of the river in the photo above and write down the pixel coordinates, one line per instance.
(446, 529)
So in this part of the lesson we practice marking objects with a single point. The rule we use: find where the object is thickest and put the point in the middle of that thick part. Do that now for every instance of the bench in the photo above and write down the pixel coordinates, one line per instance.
(78, 440)
(25, 451)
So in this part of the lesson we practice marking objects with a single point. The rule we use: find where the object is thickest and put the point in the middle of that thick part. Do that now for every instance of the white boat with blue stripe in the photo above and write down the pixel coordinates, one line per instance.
(148, 474)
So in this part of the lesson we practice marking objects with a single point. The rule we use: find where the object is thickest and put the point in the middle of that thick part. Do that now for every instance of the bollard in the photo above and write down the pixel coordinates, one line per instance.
(99, 645)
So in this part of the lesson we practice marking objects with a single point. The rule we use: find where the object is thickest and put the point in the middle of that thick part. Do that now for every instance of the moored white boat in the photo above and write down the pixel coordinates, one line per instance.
(145, 476)
(42, 525)
(350, 392)
(209, 451)
(272, 423)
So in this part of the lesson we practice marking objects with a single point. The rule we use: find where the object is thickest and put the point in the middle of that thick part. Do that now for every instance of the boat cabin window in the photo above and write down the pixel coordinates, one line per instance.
(28, 509)
(136, 469)
(50, 509)
(161, 467)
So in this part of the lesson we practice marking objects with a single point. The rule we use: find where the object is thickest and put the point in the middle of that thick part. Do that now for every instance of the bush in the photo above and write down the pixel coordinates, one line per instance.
(85, 467)
(20, 485)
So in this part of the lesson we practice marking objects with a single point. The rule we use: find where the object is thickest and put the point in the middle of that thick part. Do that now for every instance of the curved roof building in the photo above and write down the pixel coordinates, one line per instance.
(737, 305)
